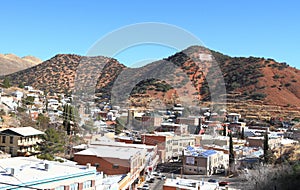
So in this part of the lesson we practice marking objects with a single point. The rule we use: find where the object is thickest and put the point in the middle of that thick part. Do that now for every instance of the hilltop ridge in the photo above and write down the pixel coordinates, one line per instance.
(257, 80)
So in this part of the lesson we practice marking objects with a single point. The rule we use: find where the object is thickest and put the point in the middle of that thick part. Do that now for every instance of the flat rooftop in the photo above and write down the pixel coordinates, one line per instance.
(110, 152)
(33, 172)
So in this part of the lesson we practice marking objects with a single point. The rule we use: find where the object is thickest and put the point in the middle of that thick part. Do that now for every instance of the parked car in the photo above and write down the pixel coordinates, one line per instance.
(146, 186)
(223, 183)
(212, 181)
(156, 173)
(150, 179)
(162, 177)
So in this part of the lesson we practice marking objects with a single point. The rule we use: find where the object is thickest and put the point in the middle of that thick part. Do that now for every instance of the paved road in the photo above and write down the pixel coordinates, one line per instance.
(157, 185)
(233, 182)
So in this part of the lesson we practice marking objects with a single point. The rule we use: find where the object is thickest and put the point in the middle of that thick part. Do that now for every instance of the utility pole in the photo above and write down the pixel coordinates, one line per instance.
(181, 172)
(1, 90)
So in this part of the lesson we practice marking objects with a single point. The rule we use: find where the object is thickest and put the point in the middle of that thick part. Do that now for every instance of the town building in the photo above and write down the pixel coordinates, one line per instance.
(259, 142)
(170, 146)
(114, 158)
(20, 141)
(29, 173)
(178, 129)
(203, 161)
(213, 140)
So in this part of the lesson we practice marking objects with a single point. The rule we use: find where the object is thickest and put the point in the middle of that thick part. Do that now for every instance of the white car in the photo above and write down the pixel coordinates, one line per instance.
(156, 173)
(162, 177)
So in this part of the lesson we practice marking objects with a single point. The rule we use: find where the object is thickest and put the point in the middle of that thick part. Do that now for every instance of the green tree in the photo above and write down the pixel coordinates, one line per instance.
(43, 121)
(29, 100)
(53, 144)
(243, 133)
(69, 119)
(6, 83)
(224, 130)
(266, 148)
(231, 152)
(21, 85)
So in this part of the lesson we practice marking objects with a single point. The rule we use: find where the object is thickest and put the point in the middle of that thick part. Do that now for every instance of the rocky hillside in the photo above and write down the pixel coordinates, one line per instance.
(195, 75)
(11, 63)
(251, 80)
(65, 73)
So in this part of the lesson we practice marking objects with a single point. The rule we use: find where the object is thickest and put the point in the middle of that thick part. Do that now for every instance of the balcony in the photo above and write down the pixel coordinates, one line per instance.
(28, 143)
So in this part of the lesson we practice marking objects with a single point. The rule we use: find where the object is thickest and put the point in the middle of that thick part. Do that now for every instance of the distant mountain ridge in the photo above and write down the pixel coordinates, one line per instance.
(11, 63)
(246, 79)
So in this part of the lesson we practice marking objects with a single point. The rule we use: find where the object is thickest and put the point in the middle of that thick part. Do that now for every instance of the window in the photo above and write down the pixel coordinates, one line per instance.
(11, 149)
(3, 139)
(87, 184)
(11, 139)
(115, 166)
(60, 188)
(74, 186)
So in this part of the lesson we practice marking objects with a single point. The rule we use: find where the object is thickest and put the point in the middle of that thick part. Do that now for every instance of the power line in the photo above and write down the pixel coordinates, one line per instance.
(23, 186)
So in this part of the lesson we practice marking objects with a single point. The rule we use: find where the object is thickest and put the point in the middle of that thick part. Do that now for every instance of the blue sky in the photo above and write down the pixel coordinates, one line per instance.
(268, 29)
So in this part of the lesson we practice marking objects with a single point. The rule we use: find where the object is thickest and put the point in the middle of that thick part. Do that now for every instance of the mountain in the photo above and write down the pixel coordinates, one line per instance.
(64, 72)
(195, 75)
(11, 63)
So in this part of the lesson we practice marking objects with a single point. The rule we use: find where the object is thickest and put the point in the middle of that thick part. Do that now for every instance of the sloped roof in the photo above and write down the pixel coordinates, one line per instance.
(22, 131)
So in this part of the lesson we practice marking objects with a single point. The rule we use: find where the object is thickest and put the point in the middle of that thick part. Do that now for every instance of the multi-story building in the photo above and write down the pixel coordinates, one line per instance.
(179, 129)
(204, 162)
(33, 173)
(20, 141)
(169, 145)
(116, 160)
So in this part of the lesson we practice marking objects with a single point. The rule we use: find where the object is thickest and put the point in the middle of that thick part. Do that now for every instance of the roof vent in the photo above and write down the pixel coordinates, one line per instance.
(10, 171)
(47, 166)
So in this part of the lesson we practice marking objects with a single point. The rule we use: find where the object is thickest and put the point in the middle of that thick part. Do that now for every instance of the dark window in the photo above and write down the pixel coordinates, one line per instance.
(3, 139)
(11, 149)
(115, 166)
(11, 140)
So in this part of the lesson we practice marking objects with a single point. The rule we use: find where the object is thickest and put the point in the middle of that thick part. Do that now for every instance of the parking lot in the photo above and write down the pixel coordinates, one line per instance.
(157, 183)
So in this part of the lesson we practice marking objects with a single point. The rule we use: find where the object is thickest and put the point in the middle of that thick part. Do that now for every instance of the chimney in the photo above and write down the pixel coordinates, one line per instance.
(88, 165)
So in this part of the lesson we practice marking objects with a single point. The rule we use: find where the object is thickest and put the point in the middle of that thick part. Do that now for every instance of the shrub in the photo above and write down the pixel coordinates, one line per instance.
(276, 76)
(257, 96)
(287, 84)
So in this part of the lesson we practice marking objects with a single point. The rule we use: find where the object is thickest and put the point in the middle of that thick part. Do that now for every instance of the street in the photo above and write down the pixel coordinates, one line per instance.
(233, 182)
